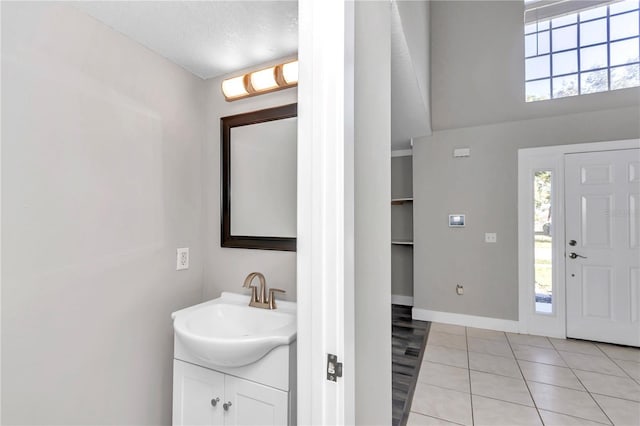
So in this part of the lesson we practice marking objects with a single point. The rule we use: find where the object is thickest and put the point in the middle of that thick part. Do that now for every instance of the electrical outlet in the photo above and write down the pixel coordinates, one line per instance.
(459, 290)
(490, 237)
(182, 261)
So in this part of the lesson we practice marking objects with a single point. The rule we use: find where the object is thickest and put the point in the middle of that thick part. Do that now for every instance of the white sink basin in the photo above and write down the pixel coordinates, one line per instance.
(229, 333)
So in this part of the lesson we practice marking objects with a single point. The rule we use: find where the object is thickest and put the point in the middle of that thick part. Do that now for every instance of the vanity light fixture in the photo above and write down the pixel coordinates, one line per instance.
(262, 81)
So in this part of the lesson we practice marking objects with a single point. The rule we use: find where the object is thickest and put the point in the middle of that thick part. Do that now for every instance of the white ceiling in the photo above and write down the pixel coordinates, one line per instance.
(207, 38)
(408, 110)
(214, 38)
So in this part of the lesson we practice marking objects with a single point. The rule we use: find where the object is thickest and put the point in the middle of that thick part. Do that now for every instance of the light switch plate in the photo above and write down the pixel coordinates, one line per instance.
(461, 152)
(490, 237)
(182, 258)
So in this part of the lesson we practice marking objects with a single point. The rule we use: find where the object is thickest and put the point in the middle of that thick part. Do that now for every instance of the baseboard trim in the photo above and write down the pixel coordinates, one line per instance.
(398, 299)
(466, 320)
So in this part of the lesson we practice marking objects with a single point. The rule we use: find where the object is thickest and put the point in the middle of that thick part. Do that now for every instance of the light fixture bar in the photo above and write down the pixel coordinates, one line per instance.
(262, 81)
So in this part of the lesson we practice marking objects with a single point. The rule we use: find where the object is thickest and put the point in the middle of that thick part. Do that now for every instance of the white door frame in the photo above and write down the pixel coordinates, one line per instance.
(531, 160)
(325, 236)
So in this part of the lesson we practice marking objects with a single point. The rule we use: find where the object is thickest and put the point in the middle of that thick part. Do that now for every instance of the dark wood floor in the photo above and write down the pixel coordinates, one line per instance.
(408, 339)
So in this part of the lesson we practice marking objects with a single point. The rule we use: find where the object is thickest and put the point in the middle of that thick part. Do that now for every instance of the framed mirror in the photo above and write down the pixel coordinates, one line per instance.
(259, 179)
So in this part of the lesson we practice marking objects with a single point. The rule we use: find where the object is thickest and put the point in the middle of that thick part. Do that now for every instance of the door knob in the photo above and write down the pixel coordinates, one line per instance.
(572, 242)
(575, 255)
(226, 406)
(215, 401)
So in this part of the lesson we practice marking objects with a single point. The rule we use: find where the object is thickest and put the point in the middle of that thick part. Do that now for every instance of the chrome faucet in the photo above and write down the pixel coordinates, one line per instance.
(259, 297)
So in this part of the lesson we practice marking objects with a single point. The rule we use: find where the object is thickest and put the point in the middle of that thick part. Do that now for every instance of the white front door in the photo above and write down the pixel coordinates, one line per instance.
(602, 230)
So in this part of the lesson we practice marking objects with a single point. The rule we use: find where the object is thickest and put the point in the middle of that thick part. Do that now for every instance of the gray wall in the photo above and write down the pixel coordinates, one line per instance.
(477, 71)
(226, 268)
(101, 148)
(402, 177)
(477, 68)
(402, 226)
(372, 213)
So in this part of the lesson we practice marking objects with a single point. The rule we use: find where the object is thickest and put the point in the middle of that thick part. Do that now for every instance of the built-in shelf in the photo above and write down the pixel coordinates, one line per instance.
(401, 209)
(396, 201)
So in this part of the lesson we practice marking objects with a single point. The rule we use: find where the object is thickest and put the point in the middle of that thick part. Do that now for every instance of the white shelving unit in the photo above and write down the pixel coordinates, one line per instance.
(402, 243)
(401, 200)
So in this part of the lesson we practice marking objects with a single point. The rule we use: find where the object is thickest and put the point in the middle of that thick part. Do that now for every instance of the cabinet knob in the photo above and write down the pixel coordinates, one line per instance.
(215, 401)
(226, 406)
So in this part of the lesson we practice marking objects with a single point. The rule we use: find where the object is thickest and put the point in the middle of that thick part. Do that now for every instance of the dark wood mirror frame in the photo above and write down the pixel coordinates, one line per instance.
(226, 124)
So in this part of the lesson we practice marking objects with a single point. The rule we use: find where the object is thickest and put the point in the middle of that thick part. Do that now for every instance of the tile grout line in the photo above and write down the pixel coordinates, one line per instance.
(617, 365)
(466, 341)
(615, 397)
(596, 356)
(587, 389)
(575, 417)
(535, 404)
(439, 418)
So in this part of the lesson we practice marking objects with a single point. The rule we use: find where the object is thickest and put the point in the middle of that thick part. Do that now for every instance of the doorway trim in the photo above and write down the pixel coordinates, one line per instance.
(325, 226)
(531, 160)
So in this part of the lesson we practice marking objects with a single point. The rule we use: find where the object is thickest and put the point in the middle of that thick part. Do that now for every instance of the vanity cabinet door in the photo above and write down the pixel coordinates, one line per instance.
(254, 404)
(195, 390)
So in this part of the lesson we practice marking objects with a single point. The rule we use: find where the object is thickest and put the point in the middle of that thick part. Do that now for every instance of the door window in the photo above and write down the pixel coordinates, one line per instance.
(543, 241)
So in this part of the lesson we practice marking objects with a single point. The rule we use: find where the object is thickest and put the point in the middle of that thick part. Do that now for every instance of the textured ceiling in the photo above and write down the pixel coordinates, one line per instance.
(213, 38)
(207, 38)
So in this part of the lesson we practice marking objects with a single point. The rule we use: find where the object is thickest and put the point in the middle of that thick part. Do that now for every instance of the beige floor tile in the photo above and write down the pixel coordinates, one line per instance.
(487, 411)
(417, 419)
(632, 368)
(556, 419)
(448, 356)
(550, 374)
(538, 354)
(494, 364)
(566, 401)
(455, 341)
(442, 403)
(528, 339)
(486, 334)
(620, 411)
(621, 352)
(604, 384)
(444, 376)
(500, 387)
(578, 346)
(591, 363)
(448, 328)
(493, 347)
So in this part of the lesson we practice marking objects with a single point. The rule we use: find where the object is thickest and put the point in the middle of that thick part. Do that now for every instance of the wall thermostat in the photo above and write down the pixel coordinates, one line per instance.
(456, 220)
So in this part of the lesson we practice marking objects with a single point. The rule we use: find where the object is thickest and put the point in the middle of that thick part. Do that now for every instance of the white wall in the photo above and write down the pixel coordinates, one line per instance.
(477, 72)
(101, 149)
(372, 213)
(226, 268)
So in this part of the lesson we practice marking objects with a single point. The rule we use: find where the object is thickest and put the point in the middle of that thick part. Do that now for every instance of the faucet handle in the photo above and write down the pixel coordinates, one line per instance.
(272, 297)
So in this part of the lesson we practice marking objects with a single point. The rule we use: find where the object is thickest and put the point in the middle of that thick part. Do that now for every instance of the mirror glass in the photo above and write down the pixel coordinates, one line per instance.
(259, 156)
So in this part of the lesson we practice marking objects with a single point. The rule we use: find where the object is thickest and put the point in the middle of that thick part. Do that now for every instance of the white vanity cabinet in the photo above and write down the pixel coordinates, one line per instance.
(234, 364)
(205, 397)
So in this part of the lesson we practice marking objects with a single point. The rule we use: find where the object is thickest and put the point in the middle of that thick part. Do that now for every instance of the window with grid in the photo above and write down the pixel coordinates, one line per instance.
(579, 47)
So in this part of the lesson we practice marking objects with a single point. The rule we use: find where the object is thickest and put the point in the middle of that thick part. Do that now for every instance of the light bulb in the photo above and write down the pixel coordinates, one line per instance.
(234, 87)
(264, 79)
(290, 72)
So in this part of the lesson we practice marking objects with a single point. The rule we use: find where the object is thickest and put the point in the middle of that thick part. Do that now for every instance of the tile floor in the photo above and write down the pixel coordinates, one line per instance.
(471, 376)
